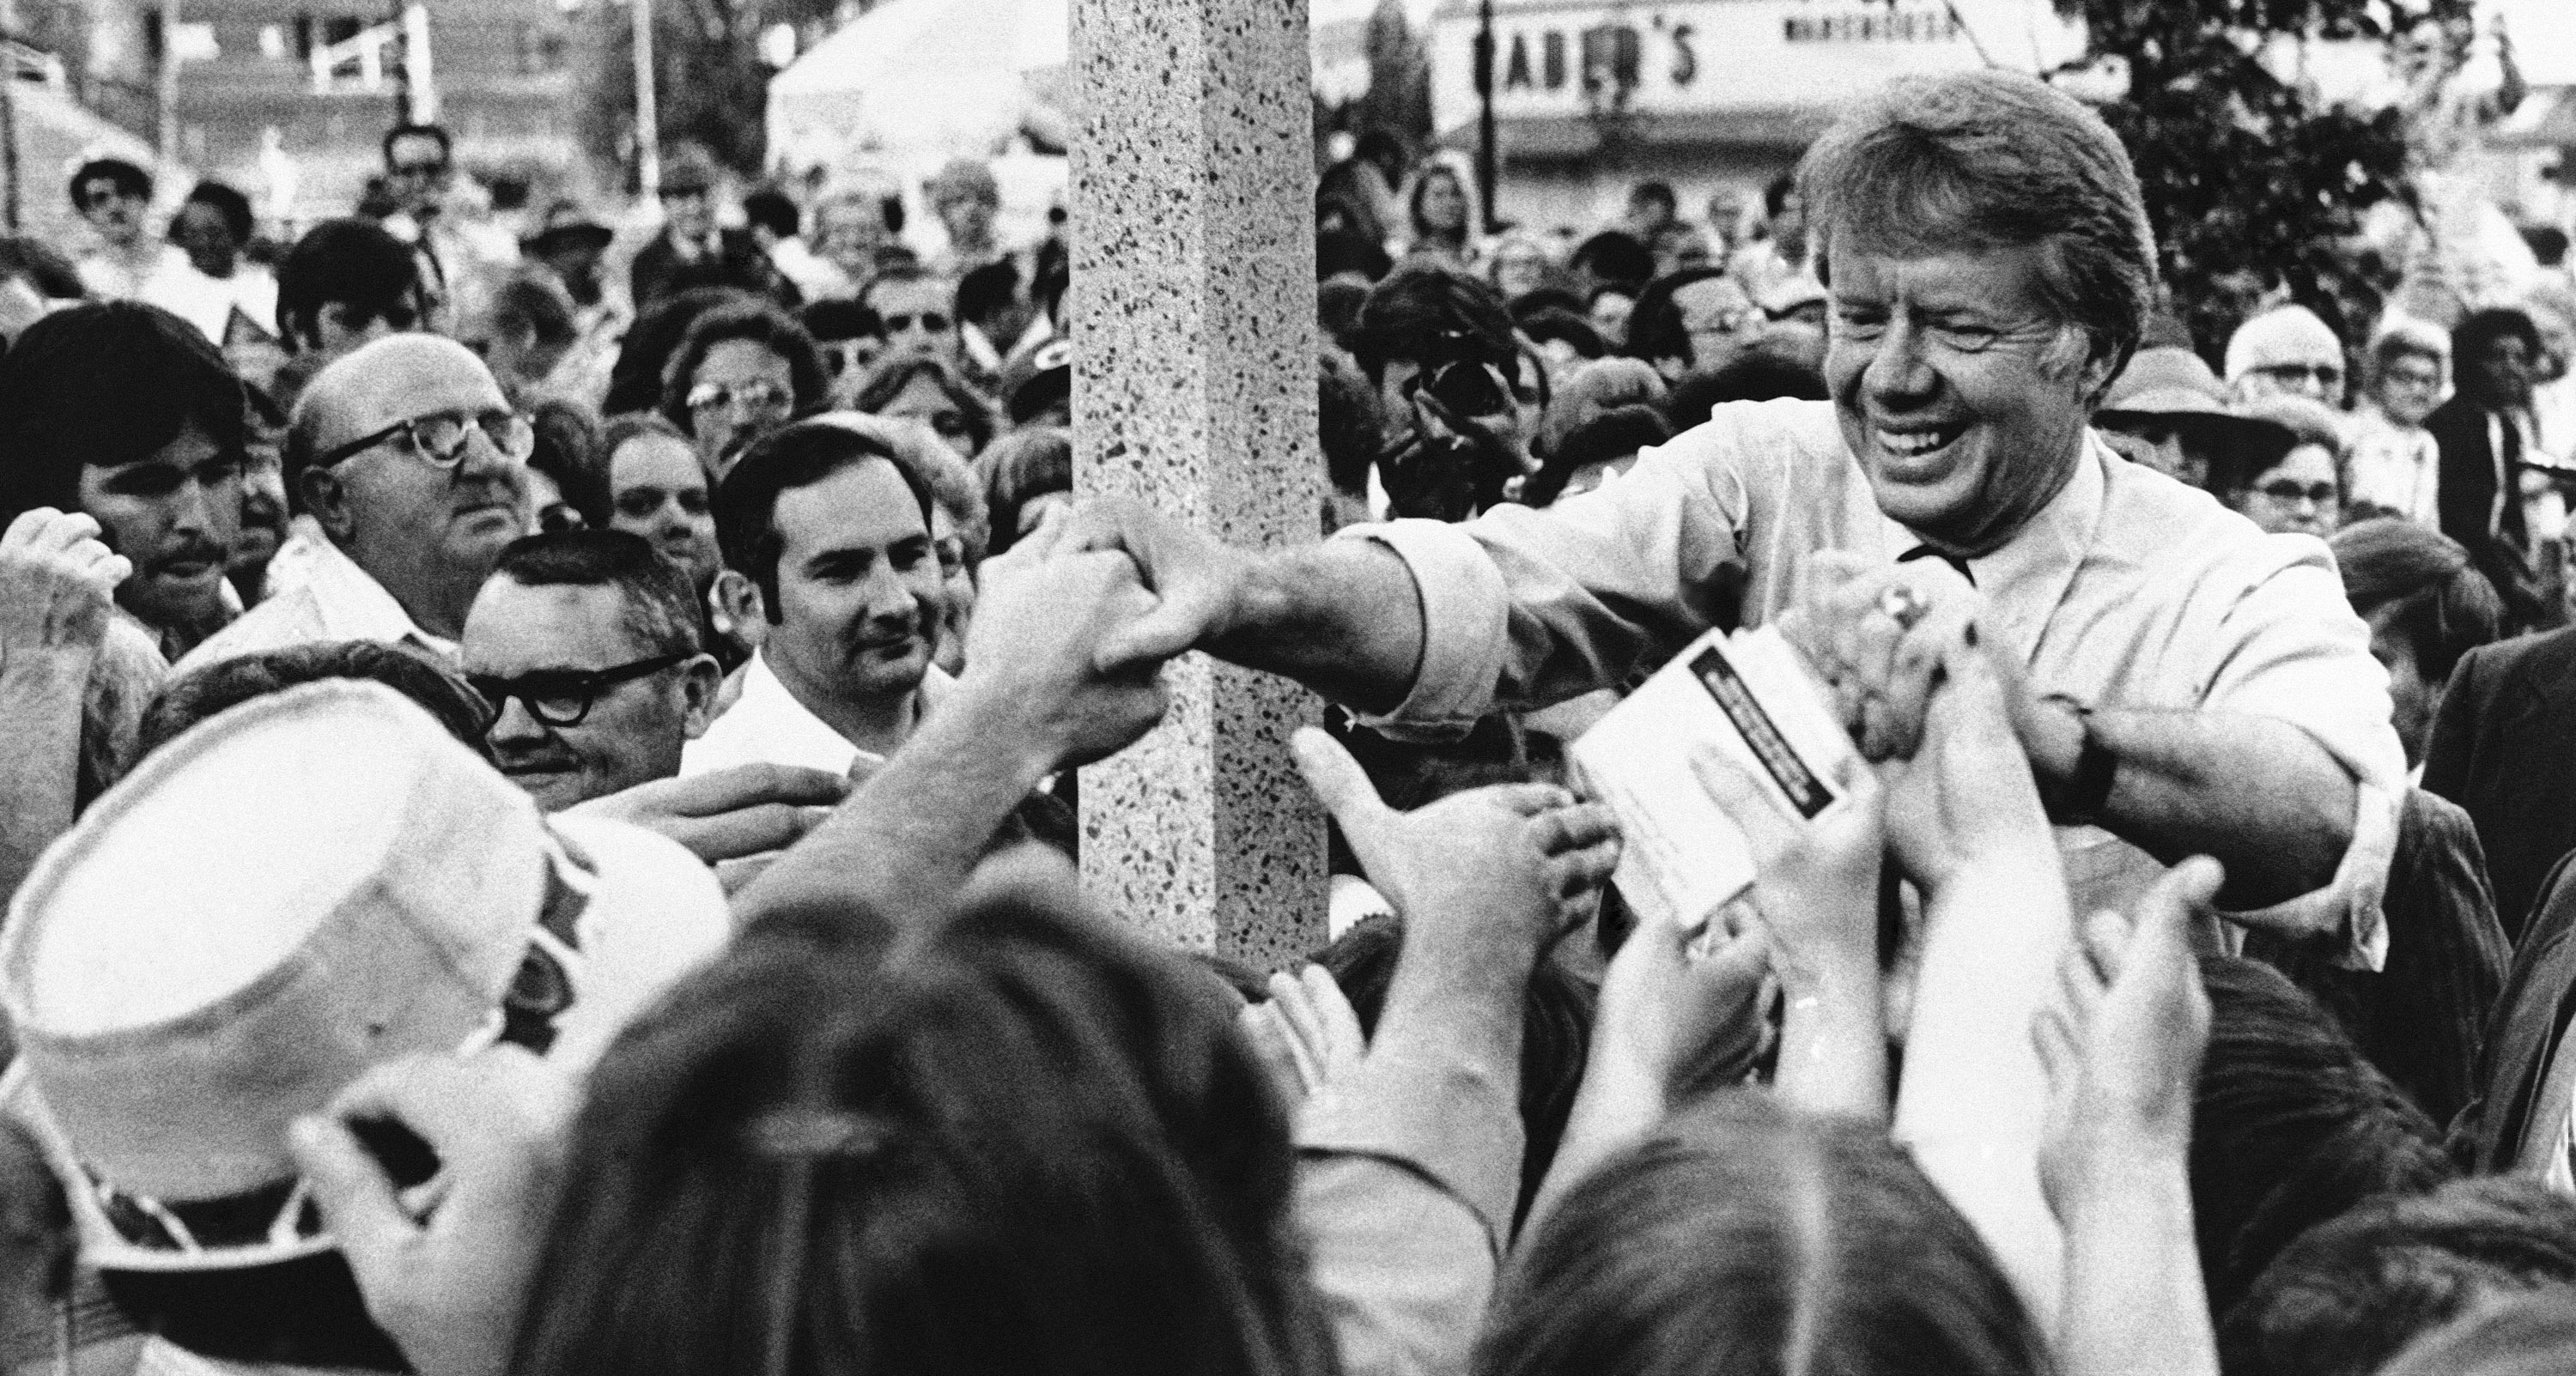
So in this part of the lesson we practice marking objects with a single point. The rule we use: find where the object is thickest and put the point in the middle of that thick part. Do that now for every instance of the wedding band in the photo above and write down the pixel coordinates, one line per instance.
(1903, 605)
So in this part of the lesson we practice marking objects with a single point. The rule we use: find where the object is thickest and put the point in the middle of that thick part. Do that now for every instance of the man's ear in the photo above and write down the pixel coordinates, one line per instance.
(327, 497)
(734, 605)
(701, 681)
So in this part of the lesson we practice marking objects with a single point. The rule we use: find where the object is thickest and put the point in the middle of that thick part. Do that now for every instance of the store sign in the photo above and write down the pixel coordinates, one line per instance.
(1696, 56)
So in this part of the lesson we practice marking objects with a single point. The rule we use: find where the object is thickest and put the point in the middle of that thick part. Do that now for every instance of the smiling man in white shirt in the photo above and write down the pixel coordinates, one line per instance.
(836, 532)
(415, 467)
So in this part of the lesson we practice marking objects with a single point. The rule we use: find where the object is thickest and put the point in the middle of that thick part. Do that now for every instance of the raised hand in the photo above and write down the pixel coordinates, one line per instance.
(728, 814)
(1967, 795)
(1047, 616)
(1877, 636)
(1522, 862)
(57, 586)
(445, 1267)
(1197, 579)
(1817, 890)
(2122, 1042)
(1306, 1032)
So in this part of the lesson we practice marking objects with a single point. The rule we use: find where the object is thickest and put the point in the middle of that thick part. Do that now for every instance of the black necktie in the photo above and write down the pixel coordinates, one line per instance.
(1946, 557)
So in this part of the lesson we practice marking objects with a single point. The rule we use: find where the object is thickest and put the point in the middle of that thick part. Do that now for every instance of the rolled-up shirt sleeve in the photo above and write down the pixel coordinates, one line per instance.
(1406, 1179)
(2295, 652)
(1523, 607)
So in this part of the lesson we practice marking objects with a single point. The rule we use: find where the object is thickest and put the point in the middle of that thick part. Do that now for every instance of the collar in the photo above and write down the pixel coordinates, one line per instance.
(2024, 579)
(354, 606)
(795, 732)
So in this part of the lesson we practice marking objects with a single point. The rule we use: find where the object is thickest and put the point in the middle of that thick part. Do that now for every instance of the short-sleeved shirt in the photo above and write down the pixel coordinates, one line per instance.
(2128, 590)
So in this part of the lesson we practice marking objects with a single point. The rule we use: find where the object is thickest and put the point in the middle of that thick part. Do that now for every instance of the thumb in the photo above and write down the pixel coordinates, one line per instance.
(356, 1197)
(1339, 782)
(1173, 626)
(2165, 914)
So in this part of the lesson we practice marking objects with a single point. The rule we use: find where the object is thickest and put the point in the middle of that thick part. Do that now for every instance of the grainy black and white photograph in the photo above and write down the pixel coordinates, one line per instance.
(1287, 687)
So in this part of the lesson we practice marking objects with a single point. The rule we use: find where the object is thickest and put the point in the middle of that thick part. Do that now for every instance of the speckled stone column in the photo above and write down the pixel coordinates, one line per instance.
(1194, 389)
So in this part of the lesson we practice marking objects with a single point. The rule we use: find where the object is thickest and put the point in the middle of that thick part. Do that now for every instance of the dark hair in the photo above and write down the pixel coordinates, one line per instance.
(127, 177)
(1740, 1232)
(1556, 1035)
(2352, 1292)
(102, 384)
(1613, 256)
(446, 146)
(538, 304)
(888, 377)
(1019, 468)
(568, 451)
(232, 205)
(1554, 322)
(201, 693)
(1655, 326)
(1659, 192)
(2529, 1335)
(2291, 1126)
(769, 208)
(350, 262)
(2548, 244)
(1430, 314)
(1776, 193)
(1422, 187)
(1338, 251)
(837, 318)
(762, 324)
(2481, 328)
(992, 287)
(1538, 301)
(1615, 434)
(1992, 159)
(2443, 605)
(797, 455)
(1754, 376)
(1012, 1139)
(635, 380)
(661, 607)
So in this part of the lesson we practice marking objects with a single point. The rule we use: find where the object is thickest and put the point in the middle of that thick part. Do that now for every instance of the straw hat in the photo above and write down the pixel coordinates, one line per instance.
(247, 923)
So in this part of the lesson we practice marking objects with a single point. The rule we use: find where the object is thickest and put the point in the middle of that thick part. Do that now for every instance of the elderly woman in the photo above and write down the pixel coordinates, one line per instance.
(2288, 481)
(2396, 463)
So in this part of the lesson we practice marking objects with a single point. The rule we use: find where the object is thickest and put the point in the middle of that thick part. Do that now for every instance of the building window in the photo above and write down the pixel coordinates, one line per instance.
(273, 44)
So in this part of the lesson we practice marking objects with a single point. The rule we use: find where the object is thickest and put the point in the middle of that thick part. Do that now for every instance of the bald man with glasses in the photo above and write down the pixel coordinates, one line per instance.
(414, 467)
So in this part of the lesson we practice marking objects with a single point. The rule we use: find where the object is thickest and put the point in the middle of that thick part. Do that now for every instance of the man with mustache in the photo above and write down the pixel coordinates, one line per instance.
(836, 532)
(414, 466)
(124, 411)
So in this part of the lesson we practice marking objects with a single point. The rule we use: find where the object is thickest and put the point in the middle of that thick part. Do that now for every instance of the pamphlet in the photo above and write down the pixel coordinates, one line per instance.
(1746, 695)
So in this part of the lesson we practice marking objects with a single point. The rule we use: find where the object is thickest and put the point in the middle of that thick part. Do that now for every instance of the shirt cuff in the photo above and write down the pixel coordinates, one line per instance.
(1452, 1123)
(2349, 904)
(1464, 608)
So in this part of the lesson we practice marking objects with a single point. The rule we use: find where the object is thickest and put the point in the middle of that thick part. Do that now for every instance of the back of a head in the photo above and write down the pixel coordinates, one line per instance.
(2532, 1335)
(191, 698)
(353, 262)
(1008, 1140)
(1019, 468)
(2445, 607)
(538, 305)
(1613, 256)
(1431, 313)
(103, 384)
(769, 208)
(1744, 1238)
(1755, 376)
(2352, 1292)
(661, 609)
(2290, 1127)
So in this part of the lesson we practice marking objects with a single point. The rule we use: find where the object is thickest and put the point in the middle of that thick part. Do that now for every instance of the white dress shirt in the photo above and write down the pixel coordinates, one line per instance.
(209, 302)
(2398, 467)
(2128, 590)
(336, 601)
(767, 725)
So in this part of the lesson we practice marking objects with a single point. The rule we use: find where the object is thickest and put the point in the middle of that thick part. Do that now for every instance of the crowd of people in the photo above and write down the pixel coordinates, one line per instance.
(539, 791)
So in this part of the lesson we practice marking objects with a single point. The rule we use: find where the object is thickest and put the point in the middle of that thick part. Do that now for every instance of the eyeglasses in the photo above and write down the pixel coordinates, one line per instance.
(420, 169)
(931, 322)
(759, 394)
(439, 440)
(563, 697)
(1728, 322)
(2286, 492)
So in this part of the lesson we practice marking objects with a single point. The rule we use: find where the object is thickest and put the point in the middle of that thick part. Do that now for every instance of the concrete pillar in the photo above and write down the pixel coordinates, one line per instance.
(1194, 389)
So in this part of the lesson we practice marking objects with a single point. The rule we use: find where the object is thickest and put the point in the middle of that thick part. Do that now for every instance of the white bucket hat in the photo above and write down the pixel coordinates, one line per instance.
(303, 887)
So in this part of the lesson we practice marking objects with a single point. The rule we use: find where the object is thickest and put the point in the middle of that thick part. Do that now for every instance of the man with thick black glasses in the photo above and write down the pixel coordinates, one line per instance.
(412, 463)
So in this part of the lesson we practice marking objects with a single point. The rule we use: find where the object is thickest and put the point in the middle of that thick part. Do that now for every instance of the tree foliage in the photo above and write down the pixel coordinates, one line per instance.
(709, 81)
(2243, 171)
(1399, 93)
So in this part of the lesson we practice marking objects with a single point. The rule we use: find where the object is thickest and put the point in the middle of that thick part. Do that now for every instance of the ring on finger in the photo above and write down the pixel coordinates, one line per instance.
(1903, 605)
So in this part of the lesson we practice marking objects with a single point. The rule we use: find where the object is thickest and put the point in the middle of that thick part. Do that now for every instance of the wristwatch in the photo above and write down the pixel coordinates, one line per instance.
(2079, 798)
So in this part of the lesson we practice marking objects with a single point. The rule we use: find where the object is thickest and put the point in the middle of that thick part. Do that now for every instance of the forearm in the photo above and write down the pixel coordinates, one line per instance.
(906, 839)
(1833, 1047)
(40, 699)
(1973, 1098)
(1614, 1107)
(2134, 1300)
(1343, 617)
(2258, 794)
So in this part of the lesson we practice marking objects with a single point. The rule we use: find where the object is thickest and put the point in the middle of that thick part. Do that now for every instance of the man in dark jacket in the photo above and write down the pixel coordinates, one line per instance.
(691, 251)
(2482, 431)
